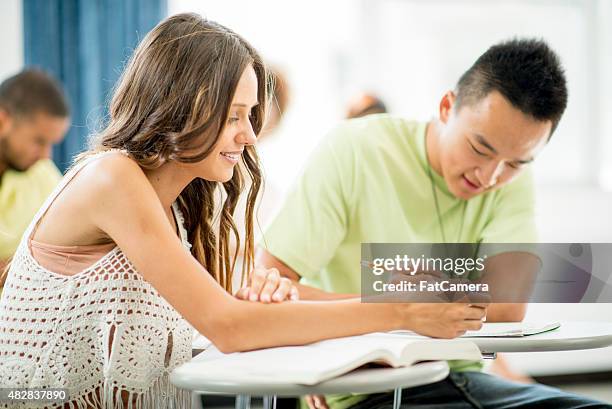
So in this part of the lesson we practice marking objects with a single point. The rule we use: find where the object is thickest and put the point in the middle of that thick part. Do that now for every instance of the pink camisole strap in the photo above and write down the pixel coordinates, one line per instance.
(68, 260)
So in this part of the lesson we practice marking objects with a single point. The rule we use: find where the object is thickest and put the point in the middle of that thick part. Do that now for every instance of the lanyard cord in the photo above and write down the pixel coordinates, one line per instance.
(435, 196)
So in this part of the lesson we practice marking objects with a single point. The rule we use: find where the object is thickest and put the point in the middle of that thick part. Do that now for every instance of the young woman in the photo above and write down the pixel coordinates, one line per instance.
(123, 256)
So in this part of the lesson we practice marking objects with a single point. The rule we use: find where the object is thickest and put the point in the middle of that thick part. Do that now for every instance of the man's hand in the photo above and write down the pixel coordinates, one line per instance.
(266, 286)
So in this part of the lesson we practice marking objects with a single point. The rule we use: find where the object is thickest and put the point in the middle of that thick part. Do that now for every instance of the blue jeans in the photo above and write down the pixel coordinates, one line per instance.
(476, 390)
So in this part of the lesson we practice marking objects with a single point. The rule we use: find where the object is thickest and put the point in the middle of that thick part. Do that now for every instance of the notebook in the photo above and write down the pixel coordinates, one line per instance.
(499, 330)
(320, 361)
(512, 329)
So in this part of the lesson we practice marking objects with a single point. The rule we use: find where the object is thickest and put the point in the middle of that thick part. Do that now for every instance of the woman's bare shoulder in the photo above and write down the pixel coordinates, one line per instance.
(116, 177)
(110, 174)
(113, 167)
(101, 186)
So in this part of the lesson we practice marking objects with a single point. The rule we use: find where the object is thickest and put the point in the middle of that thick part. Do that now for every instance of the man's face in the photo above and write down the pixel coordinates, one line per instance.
(486, 144)
(26, 140)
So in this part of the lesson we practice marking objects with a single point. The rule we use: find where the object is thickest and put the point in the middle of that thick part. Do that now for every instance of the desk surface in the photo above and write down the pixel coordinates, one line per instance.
(373, 380)
(570, 336)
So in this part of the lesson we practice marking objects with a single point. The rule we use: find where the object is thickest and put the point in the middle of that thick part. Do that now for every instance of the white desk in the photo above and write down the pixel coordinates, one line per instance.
(374, 380)
(570, 336)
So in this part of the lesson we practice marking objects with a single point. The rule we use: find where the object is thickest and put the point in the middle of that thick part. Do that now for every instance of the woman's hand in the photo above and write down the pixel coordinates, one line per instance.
(266, 286)
(447, 320)
(316, 402)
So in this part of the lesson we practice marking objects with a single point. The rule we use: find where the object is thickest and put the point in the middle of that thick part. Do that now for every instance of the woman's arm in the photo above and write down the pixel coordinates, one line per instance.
(125, 206)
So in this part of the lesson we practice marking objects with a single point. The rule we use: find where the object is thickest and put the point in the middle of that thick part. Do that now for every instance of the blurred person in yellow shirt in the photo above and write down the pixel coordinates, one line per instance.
(34, 115)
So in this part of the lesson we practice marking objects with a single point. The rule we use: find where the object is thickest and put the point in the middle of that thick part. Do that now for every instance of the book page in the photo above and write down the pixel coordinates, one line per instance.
(307, 364)
(299, 364)
(411, 348)
(324, 360)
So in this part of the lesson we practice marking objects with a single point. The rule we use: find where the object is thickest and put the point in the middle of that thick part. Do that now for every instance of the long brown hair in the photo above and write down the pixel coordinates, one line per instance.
(171, 104)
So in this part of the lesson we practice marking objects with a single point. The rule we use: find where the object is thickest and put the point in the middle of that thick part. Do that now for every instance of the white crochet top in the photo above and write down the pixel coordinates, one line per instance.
(103, 329)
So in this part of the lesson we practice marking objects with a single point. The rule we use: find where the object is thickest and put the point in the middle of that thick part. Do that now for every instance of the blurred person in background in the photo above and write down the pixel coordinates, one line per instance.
(365, 104)
(281, 96)
(34, 116)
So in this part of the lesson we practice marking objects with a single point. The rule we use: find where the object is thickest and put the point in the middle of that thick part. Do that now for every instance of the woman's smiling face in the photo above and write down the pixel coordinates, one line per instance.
(236, 134)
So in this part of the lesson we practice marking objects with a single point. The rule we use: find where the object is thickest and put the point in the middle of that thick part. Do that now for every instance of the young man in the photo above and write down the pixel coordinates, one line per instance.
(33, 117)
(463, 177)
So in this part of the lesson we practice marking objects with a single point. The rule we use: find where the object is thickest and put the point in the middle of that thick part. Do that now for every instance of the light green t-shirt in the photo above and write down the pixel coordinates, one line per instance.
(367, 182)
(21, 195)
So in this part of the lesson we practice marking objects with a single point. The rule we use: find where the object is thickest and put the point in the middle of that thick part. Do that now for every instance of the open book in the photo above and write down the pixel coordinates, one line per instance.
(512, 329)
(314, 363)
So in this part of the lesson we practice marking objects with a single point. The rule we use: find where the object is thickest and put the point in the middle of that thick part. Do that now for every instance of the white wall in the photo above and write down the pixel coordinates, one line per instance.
(11, 36)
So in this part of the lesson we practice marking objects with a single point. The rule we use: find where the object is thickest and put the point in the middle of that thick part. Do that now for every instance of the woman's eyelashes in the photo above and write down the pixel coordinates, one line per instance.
(235, 117)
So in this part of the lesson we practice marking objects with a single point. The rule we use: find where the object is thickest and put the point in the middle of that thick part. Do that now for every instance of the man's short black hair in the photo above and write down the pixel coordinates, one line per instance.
(527, 72)
(33, 91)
